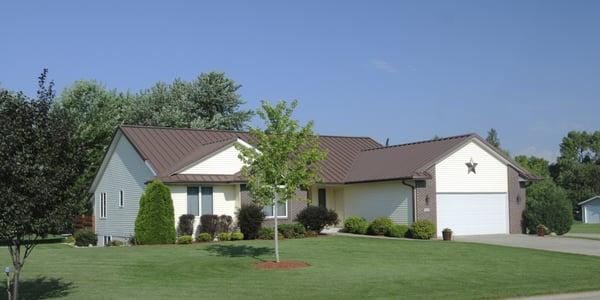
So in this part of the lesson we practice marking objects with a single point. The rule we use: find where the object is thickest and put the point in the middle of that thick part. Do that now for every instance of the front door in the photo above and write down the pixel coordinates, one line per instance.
(322, 198)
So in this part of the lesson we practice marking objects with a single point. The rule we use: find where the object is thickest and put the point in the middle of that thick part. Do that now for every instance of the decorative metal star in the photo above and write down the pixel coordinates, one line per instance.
(471, 165)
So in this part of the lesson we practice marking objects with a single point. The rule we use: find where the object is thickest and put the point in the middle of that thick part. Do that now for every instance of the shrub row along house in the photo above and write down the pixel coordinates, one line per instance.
(460, 182)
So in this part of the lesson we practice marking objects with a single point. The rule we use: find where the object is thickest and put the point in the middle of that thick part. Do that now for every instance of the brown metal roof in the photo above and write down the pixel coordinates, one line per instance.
(349, 159)
(401, 161)
(211, 178)
(170, 149)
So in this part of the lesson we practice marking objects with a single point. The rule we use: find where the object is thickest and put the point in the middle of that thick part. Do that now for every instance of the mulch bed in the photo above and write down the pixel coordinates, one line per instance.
(282, 265)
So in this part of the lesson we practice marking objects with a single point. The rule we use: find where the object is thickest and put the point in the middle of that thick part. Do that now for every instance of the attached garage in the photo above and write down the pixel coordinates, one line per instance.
(472, 214)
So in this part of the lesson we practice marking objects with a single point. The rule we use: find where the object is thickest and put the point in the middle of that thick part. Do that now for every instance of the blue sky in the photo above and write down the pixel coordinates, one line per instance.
(403, 70)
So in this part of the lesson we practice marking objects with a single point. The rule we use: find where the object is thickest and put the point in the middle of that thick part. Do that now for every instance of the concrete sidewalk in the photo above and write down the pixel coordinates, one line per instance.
(574, 296)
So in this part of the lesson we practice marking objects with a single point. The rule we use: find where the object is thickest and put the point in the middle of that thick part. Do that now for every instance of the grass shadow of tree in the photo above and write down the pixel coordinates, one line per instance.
(239, 251)
(43, 288)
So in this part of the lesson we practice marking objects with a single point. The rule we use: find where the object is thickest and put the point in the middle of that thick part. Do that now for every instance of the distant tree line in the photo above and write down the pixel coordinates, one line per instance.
(574, 177)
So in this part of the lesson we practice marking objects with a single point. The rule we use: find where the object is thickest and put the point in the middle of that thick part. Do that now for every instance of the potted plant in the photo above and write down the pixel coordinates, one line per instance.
(447, 234)
(541, 230)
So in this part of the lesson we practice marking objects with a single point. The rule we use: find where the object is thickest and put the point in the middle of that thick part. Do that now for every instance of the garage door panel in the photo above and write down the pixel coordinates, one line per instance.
(471, 214)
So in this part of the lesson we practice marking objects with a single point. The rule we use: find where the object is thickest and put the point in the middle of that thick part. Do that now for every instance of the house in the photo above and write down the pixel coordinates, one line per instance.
(458, 182)
(591, 210)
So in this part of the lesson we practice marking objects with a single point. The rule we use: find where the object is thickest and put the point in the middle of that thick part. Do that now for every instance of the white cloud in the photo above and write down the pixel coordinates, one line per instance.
(383, 65)
(546, 154)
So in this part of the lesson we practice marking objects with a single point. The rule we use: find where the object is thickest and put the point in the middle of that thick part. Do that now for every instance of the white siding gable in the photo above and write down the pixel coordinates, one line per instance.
(452, 173)
(225, 162)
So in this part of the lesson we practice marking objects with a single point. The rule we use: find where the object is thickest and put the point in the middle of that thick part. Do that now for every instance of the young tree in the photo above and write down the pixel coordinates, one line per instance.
(285, 158)
(155, 222)
(39, 164)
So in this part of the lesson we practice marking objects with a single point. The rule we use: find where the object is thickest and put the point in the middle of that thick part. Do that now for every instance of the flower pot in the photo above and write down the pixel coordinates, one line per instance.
(447, 235)
(541, 232)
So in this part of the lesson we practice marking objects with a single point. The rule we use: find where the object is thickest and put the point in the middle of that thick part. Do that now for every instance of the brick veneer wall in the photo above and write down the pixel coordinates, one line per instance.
(515, 208)
(426, 210)
(294, 207)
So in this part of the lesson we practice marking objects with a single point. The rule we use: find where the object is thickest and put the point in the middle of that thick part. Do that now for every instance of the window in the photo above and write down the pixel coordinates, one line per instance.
(121, 198)
(322, 198)
(281, 210)
(193, 207)
(243, 187)
(207, 200)
(102, 205)
(107, 239)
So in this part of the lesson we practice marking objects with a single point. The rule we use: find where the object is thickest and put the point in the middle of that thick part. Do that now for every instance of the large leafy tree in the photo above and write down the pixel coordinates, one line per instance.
(547, 203)
(96, 113)
(285, 158)
(578, 167)
(210, 101)
(39, 164)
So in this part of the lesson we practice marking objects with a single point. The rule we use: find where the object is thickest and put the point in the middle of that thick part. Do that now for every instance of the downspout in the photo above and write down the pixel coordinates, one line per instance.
(414, 189)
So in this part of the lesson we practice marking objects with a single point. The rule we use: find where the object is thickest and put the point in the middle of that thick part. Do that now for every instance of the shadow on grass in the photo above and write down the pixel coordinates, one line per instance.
(239, 251)
(42, 288)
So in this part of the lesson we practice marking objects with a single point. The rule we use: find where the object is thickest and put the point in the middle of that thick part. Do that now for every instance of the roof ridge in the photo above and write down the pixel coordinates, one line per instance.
(231, 131)
(181, 128)
(423, 142)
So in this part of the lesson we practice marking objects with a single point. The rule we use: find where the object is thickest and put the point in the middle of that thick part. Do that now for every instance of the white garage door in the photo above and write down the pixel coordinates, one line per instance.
(471, 214)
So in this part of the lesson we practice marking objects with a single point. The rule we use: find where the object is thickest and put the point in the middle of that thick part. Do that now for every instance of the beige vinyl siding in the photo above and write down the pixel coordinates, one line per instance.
(224, 162)
(452, 174)
(124, 171)
(225, 199)
(380, 199)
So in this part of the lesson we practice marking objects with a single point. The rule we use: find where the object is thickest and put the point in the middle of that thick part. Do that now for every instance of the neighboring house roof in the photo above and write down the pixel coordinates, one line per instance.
(349, 159)
(589, 200)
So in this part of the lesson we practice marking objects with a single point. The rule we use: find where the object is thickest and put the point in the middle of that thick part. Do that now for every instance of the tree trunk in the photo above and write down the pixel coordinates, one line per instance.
(16, 257)
(275, 213)
(16, 275)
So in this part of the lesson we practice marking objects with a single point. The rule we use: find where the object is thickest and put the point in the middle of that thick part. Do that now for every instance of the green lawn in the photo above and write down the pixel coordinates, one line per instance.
(342, 267)
(585, 228)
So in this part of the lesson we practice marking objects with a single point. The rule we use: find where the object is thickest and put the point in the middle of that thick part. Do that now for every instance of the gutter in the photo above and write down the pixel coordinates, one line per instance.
(414, 188)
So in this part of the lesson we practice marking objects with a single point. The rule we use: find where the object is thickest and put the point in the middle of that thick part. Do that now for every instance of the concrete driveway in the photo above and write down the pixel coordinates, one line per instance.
(558, 244)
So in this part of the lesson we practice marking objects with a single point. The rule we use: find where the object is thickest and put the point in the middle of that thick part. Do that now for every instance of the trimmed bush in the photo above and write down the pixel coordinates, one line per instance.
(186, 225)
(85, 237)
(155, 223)
(185, 239)
(292, 231)
(548, 204)
(250, 217)
(422, 230)
(315, 218)
(115, 243)
(224, 223)
(236, 236)
(397, 230)
(356, 225)
(209, 224)
(266, 233)
(380, 226)
(205, 237)
(224, 236)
